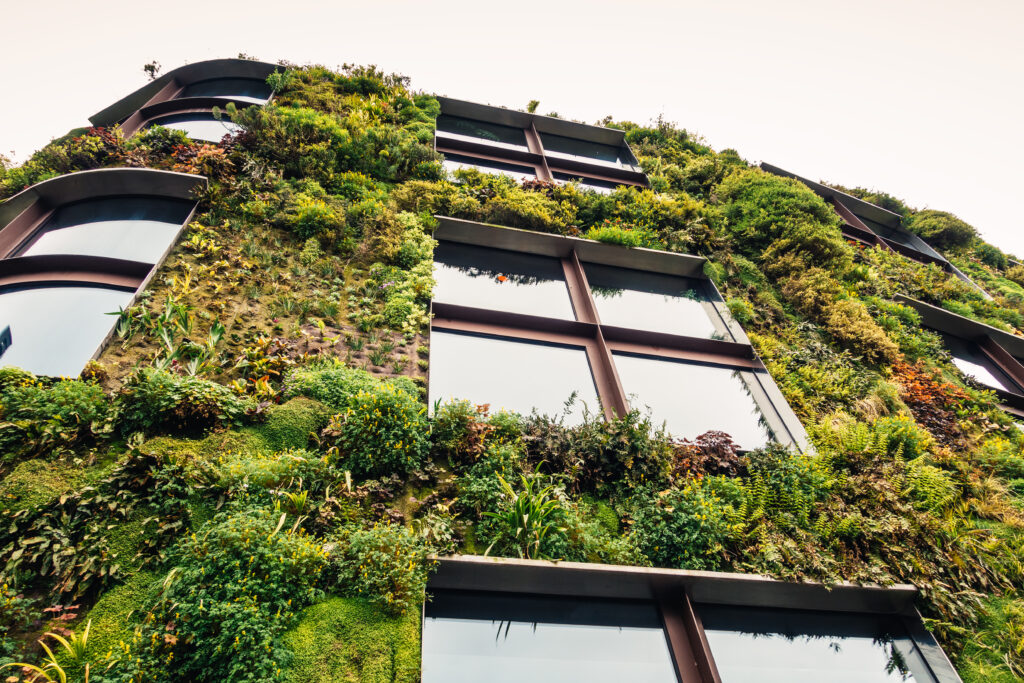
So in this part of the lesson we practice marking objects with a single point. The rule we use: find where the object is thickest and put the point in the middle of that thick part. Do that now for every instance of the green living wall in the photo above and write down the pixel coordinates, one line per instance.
(248, 486)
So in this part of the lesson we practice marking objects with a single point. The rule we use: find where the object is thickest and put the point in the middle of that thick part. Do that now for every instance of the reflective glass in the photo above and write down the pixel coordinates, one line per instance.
(591, 152)
(454, 162)
(56, 330)
(246, 89)
(512, 374)
(592, 184)
(500, 280)
(131, 228)
(971, 361)
(471, 637)
(692, 399)
(898, 236)
(198, 126)
(757, 645)
(650, 301)
(473, 130)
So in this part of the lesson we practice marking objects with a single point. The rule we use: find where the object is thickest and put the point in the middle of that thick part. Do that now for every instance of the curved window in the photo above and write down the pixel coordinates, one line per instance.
(198, 125)
(247, 89)
(496, 134)
(131, 228)
(592, 152)
(56, 330)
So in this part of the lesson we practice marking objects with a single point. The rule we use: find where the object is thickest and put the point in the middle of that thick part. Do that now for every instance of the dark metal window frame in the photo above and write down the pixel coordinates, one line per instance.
(600, 341)
(24, 215)
(1002, 349)
(850, 209)
(544, 165)
(678, 592)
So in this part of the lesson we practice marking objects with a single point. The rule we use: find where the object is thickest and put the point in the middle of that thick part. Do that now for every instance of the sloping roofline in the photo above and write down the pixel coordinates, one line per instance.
(183, 75)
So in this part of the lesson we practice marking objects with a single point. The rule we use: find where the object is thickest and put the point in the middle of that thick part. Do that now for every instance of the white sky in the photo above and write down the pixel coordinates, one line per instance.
(920, 98)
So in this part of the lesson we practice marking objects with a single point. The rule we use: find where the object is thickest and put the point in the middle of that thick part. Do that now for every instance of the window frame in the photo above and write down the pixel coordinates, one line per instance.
(600, 341)
(677, 594)
(533, 125)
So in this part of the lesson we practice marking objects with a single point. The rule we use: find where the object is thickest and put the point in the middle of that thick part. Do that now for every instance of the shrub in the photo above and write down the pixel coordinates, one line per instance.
(942, 230)
(615, 232)
(48, 415)
(459, 432)
(291, 424)
(235, 589)
(156, 400)
(382, 431)
(334, 384)
(686, 528)
(386, 565)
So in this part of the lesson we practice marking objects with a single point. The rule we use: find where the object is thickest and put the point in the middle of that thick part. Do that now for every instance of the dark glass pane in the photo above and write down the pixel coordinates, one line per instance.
(250, 89)
(692, 398)
(56, 330)
(971, 361)
(757, 645)
(454, 162)
(500, 280)
(600, 186)
(593, 152)
(511, 374)
(198, 126)
(650, 301)
(481, 131)
(471, 637)
(898, 236)
(131, 228)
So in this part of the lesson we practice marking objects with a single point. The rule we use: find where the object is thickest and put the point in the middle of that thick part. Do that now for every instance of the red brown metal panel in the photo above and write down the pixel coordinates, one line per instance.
(14, 235)
(857, 224)
(524, 333)
(484, 151)
(133, 123)
(579, 291)
(1003, 360)
(537, 147)
(683, 354)
(689, 649)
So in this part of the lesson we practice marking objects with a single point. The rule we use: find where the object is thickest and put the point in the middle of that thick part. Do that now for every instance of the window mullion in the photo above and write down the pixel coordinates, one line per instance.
(685, 634)
(535, 145)
(1003, 360)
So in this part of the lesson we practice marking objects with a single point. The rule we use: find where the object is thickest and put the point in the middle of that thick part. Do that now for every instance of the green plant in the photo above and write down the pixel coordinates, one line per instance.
(387, 565)
(155, 400)
(74, 648)
(335, 385)
(526, 519)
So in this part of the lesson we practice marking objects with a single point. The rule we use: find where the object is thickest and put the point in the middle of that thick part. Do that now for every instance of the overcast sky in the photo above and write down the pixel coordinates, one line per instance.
(922, 99)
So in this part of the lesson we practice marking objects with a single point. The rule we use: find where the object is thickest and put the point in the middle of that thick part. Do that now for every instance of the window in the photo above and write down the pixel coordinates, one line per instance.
(130, 228)
(56, 330)
(500, 619)
(460, 128)
(752, 645)
(971, 360)
(245, 89)
(198, 125)
(455, 162)
(526, 330)
(528, 147)
(492, 637)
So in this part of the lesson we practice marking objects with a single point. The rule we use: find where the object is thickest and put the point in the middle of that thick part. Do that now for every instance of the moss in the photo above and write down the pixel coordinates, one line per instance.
(346, 639)
(37, 482)
(289, 425)
(115, 614)
(981, 660)
(125, 541)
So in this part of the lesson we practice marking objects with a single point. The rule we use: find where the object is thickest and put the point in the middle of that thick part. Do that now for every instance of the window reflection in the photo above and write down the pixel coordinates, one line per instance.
(132, 228)
(757, 645)
(245, 89)
(593, 184)
(650, 301)
(971, 361)
(495, 134)
(500, 280)
(455, 162)
(198, 125)
(514, 375)
(56, 330)
(591, 152)
(471, 637)
(691, 398)
(898, 236)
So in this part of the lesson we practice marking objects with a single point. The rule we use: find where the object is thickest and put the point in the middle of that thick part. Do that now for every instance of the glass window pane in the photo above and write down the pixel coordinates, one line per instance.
(756, 645)
(131, 228)
(898, 236)
(692, 398)
(454, 162)
(56, 330)
(494, 134)
(199, 126)
(500, 280)
(970, 360)
(592, 184)
(512, 374)
(650, 301)
(471, 637)
(246, 89)
(591, 152)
